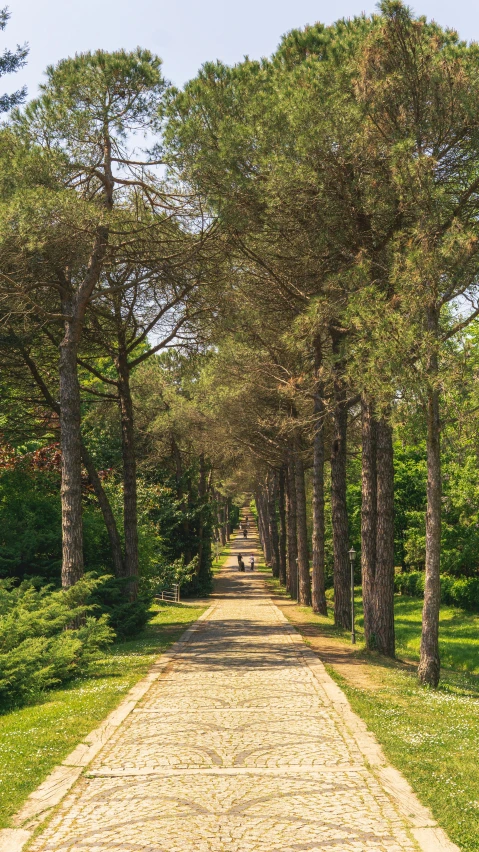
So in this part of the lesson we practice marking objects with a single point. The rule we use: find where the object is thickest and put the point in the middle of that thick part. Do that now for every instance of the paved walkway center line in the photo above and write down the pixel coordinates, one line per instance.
(242, 744)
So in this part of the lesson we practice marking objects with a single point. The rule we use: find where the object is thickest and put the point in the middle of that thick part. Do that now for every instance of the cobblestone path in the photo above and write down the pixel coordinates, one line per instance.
(236, 747)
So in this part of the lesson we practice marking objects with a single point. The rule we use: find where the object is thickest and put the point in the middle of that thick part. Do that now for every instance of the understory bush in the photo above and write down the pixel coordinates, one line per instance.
(126, 617)
(455, 591)
(47, 636)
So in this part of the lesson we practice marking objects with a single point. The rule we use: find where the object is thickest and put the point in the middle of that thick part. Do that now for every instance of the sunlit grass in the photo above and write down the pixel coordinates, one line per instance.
(432, 736)
(35, 738)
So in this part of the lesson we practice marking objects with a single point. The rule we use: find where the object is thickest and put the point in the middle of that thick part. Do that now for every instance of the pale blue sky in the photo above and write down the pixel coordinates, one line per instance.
(185, 34)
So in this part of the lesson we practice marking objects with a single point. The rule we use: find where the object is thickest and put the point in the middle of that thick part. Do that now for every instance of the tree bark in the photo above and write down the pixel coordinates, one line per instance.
(429, 664)
(272, 524)
(377, 531)
(318, 588)
(304, 582)
(71, 486)
(291, 517)
(369, 506)
(384, 579)
(130, 499)
(265, 526)
(74, 304)
(282, 525)
(342, 578)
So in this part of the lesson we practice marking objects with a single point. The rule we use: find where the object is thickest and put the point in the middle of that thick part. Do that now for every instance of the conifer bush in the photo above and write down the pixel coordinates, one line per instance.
(47, 637)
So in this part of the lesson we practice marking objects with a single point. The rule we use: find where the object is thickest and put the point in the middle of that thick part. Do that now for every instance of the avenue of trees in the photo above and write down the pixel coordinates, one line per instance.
(265, 283)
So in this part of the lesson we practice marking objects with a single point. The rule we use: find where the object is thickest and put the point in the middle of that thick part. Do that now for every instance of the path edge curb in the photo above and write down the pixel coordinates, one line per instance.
(48, 795)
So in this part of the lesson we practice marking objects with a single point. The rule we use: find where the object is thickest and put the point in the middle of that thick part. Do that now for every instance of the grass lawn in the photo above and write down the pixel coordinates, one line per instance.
(35, 738)
(432, 736)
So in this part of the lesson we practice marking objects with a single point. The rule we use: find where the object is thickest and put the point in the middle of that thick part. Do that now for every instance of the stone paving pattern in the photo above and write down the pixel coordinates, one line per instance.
(234, 748)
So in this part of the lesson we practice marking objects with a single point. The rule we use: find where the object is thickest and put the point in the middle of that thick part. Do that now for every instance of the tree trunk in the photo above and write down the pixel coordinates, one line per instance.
(130, 500)
(318, 590)
(272, 524)
(221, 511)
(260, 524)
(71, 487)
(74, 305)
(292, 539)
(227, 519)
(103, 502)
(429, 664)
(265, 527)
(106, 510)
(182, 498)
(339, 512)
(282, 525)
(304, 582)
(204, 542)
(369, 505)
(384, 579)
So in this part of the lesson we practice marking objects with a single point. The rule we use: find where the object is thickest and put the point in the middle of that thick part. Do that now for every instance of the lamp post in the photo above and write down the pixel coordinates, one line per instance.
(352, 557)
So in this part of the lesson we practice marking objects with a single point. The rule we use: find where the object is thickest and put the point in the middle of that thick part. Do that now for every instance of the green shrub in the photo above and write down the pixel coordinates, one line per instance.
(125, 617)
(38, 646)
(410, 583)
(455, 591)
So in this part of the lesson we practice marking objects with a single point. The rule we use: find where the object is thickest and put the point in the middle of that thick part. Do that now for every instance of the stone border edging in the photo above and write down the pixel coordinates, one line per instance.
(424, 828)
(61, 779)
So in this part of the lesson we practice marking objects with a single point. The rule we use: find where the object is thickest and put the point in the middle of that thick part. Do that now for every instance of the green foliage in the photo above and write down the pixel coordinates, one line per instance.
(455, 591)
(46, 637)
(30, 526)
(110, 599)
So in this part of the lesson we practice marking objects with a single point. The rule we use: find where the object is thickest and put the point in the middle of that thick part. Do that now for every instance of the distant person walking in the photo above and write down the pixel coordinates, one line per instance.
(251, 562)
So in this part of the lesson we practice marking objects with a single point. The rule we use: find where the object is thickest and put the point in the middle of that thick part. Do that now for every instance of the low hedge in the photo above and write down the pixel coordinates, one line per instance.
(455, 591)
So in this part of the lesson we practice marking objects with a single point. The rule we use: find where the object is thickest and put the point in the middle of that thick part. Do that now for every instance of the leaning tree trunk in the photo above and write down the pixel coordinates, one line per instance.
(339, 512)
(282, 525)
(107, 512)
(318, 586)
(429, 664)
(304, 582)
(292, 538)
(272, 524)
(384, 579)
(130, 499)
(369, 504)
